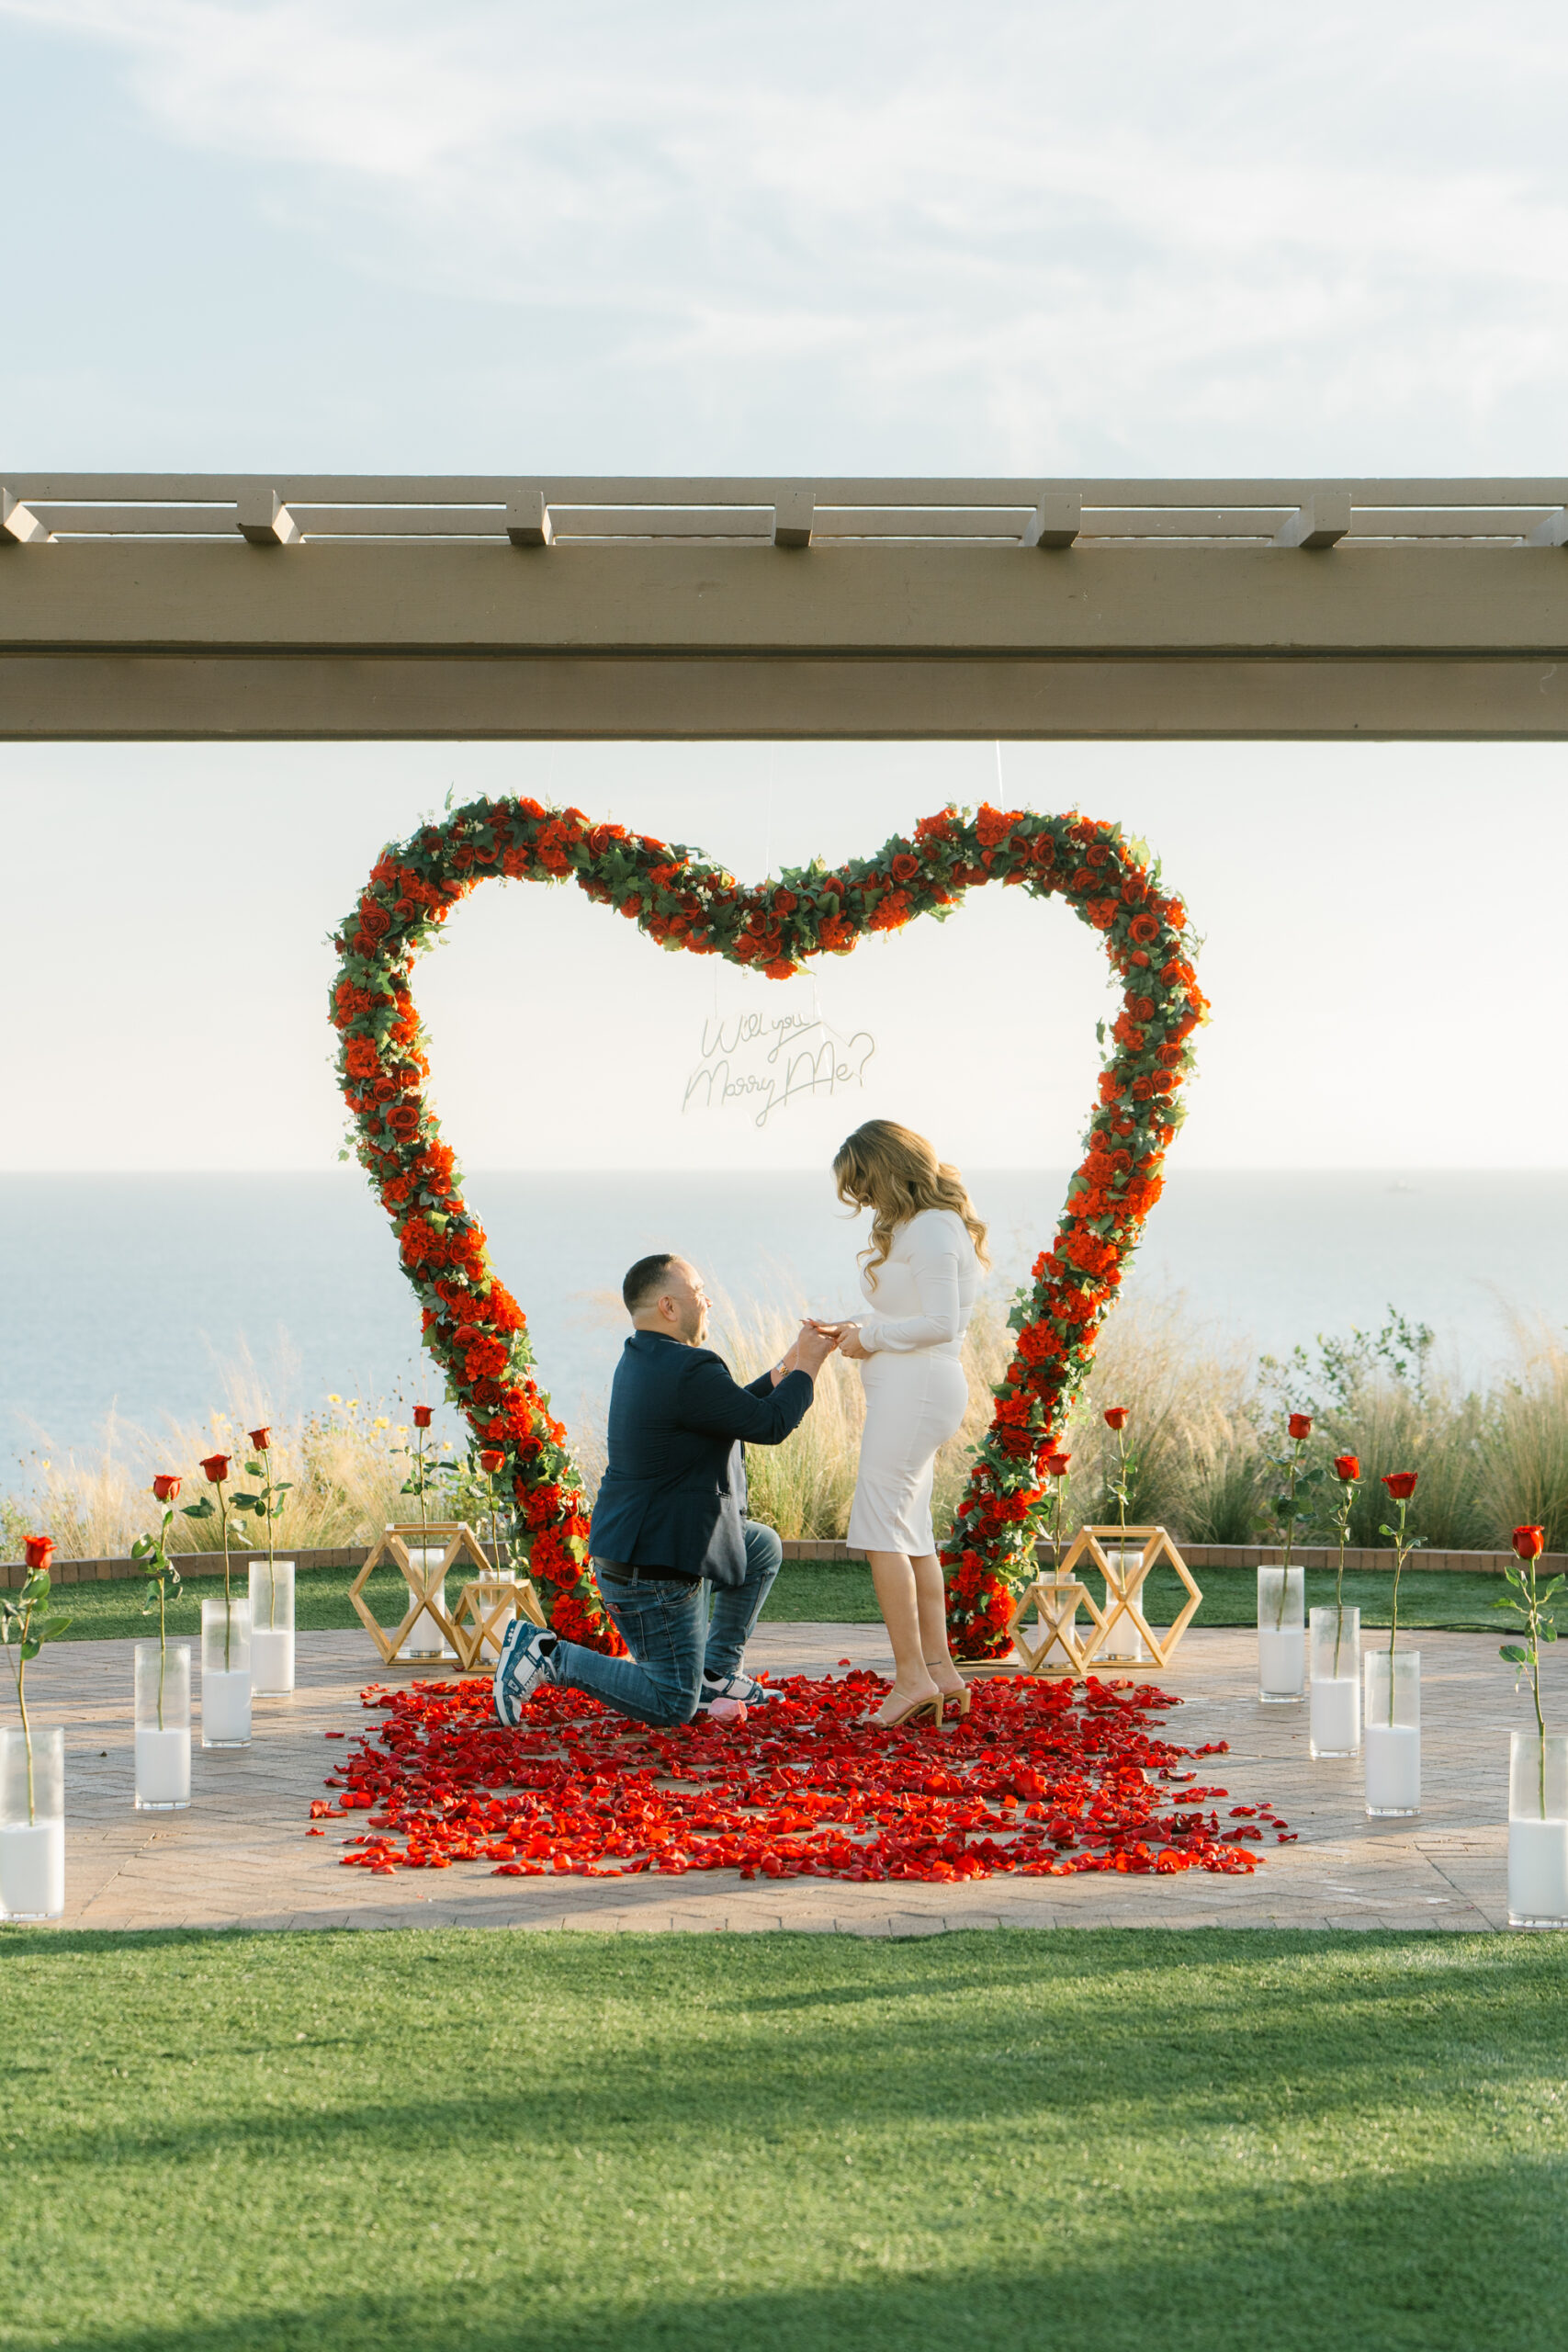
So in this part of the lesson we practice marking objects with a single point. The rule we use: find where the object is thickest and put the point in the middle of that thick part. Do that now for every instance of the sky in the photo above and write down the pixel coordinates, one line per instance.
(700, 239)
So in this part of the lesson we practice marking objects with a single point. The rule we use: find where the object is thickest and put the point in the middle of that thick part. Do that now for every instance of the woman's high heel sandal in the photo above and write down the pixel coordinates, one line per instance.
(956, 1702)
(911, 1714)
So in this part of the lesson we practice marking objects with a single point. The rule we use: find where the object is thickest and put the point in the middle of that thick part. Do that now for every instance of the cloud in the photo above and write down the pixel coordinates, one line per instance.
(1079, 226)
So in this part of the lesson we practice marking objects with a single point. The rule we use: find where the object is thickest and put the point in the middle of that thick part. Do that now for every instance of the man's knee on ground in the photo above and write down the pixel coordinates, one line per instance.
(675, 1707)
(764, 1547)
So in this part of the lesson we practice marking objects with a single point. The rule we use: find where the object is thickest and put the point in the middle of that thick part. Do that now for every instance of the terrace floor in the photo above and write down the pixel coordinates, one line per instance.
(240, 1857)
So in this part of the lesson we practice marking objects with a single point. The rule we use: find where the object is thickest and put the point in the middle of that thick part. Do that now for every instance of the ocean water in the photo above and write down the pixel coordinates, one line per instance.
(140, 1295)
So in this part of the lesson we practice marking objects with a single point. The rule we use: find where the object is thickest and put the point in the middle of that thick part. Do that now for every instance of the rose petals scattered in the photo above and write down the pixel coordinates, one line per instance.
(1042, 1779)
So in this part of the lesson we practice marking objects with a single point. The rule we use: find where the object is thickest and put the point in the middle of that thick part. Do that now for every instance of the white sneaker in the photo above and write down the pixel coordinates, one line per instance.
(526, 1660)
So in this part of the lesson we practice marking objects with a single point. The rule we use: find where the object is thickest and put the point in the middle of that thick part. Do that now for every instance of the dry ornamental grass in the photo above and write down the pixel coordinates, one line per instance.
(1204, 1416)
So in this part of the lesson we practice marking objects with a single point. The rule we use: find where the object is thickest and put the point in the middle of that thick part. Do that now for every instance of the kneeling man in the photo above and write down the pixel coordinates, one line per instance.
(671, 1514)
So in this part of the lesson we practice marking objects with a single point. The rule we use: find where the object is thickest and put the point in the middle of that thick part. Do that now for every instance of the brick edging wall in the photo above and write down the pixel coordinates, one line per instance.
(1197, 1555)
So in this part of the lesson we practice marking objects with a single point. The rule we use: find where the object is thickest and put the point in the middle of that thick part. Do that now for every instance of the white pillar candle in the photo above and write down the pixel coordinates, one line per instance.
(272, 1628)
(1335, 1726)
(425, 1637)
(1538, 1829)
(162, 1726)
(225, 1673)
(1394, 1768)
(1125, 1645)
(1282, 1663)
(272, 1662)
(226, 1709)
(163, 1770)
(1282, 1638)
(1538, 1873)
(32, 1870)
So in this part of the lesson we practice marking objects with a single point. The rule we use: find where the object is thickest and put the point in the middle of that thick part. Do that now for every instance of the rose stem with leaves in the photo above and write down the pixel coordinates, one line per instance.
(1115, 1419)
(492, 1460)
(1400, 1485)
(215, 1469)
(1347, 1470)
(155, 1549)
(262, 1441)
(1529, 1543)
(1055, 1468)
(422, 1423)
(1285, 1508)
(25, 1617)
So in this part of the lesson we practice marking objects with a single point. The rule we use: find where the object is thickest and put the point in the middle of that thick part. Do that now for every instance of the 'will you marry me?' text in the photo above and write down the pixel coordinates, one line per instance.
(766, 1065)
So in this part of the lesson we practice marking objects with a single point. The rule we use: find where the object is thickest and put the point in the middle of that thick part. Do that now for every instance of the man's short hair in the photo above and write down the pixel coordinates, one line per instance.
(645, 1280)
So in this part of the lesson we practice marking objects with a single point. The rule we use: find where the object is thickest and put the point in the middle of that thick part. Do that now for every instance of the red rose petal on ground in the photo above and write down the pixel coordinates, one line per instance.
(806, 1787)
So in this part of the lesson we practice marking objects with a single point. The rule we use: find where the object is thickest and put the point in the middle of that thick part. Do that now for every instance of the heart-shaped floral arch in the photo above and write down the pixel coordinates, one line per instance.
(474, 1326)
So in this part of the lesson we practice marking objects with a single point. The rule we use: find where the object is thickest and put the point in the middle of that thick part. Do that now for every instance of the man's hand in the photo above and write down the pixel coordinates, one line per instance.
(813, 1347)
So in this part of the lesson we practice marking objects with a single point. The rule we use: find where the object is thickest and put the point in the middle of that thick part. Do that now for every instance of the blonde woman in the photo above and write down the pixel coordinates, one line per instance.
(921, 1276)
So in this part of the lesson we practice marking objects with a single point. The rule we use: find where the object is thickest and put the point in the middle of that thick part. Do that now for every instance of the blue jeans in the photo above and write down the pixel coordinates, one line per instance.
(665, 1624)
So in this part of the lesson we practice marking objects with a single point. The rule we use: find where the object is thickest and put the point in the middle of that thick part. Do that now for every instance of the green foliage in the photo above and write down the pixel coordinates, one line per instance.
(164, 1577)
(28, 1620)
(266, 1506)
(1528, 1600)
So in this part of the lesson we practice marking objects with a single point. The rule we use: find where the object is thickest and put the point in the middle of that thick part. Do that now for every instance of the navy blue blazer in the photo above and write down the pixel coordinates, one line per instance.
(673, 1493)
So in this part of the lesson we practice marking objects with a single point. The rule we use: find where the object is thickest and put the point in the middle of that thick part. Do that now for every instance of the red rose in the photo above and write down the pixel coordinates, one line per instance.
(1400, 1484)
(405, 1120)
(1144, 929)
(905, 867)
(1346, 1467)
(215, 1468)
(1116, 1417)
(1056, 1465)
(39, 1550)
(165, 1487)
(374, 920)
(1301, 1426)
(492, 1460)
(423, 1415)
(1530, 1543)
(261, 1439)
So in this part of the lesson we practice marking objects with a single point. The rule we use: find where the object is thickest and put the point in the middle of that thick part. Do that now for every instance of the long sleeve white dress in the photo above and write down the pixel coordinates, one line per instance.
(916, 1392)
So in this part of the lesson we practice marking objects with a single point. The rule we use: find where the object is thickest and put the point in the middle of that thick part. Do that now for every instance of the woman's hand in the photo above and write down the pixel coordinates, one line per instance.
(849, 1345)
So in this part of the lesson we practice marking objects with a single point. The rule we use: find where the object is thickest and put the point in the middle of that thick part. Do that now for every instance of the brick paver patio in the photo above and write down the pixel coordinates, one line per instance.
(240, 1858)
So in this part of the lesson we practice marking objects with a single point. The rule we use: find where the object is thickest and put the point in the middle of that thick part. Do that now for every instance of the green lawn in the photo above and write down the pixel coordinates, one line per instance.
(810, 1592)
(1215, 2142)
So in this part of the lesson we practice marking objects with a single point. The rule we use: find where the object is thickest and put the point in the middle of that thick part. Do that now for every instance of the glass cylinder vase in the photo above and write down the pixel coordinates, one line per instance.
(1390, 1686)
(272, 1628)
(1335, 1727)
(425, 1637)
(225, 1673)
(1281, 1635)
(162, 1726)
(1538, 1829)
(1124, 1643)
(33, 1824)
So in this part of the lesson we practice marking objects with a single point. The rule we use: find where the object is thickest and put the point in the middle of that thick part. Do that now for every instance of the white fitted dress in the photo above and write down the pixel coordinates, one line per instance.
(916, 1392)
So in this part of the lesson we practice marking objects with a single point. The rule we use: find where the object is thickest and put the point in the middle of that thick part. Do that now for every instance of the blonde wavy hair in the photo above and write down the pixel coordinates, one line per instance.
(896, 1173)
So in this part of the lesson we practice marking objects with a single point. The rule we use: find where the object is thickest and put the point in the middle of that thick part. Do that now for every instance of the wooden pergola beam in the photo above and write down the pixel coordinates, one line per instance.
(165, 607)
